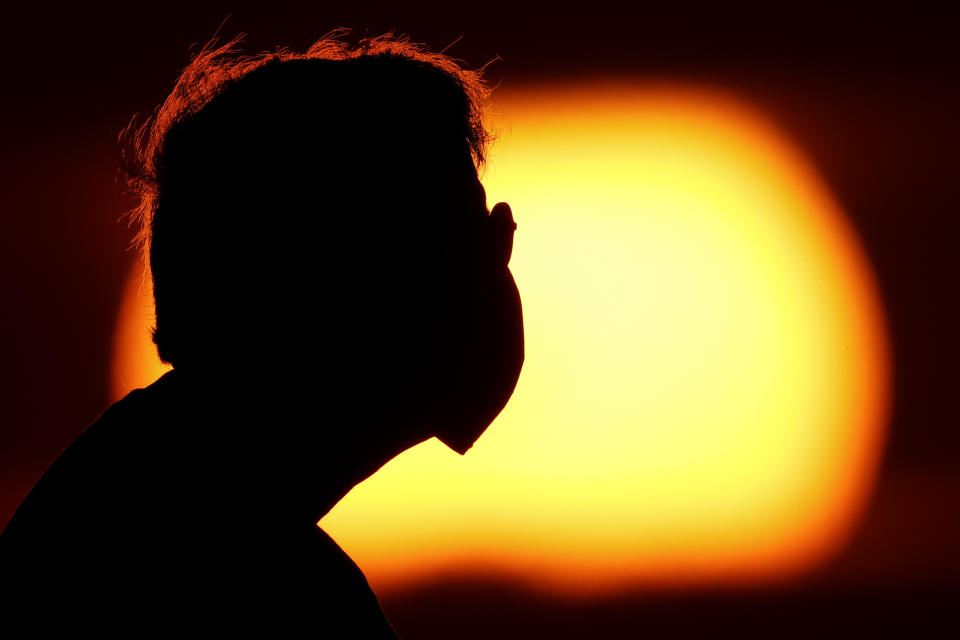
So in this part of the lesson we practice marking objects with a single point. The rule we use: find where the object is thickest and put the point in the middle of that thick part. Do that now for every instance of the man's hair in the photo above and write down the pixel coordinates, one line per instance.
(258, 169)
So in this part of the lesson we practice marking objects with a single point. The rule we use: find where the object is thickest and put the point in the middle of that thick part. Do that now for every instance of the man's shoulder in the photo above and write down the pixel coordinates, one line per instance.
(117, 427)
(82, 473)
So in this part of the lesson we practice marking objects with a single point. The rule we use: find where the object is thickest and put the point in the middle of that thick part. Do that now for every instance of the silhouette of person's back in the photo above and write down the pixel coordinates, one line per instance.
(330, 290)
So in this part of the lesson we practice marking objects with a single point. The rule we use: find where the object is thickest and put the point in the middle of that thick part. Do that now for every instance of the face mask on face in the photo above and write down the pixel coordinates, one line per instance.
(484, 362)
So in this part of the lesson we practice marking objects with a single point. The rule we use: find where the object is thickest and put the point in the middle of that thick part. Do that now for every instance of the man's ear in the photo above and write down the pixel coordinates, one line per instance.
(502, 226)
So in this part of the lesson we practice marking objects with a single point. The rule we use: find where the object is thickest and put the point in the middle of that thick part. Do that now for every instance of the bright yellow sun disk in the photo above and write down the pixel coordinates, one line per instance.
(706, 386)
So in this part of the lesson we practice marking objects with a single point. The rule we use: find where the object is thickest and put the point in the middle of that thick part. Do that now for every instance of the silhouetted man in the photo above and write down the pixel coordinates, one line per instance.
(330, 290)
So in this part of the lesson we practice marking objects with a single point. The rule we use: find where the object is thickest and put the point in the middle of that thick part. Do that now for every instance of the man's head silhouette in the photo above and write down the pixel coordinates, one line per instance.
(331, 290)
(316, 219)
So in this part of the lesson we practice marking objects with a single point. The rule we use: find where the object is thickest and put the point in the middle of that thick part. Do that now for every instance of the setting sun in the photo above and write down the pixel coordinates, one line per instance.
(707, 377)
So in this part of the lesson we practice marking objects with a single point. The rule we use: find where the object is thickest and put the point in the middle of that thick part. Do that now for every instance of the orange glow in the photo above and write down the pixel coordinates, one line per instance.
(135, 361)
(707, 378)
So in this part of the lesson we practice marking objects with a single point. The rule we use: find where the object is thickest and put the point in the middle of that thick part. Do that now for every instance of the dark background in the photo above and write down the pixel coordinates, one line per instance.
(870, 94)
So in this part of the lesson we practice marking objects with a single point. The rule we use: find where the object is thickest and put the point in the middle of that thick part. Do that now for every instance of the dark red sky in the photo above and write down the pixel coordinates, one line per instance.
(872, 97)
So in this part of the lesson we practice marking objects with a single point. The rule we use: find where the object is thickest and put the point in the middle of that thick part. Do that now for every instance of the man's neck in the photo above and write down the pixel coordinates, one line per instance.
(286, 455)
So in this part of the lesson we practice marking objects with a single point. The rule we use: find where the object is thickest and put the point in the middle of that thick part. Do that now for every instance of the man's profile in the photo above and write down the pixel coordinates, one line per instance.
(331, 290)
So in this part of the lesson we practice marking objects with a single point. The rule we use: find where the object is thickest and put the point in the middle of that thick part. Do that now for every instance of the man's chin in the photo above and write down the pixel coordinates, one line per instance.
(459, 443)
